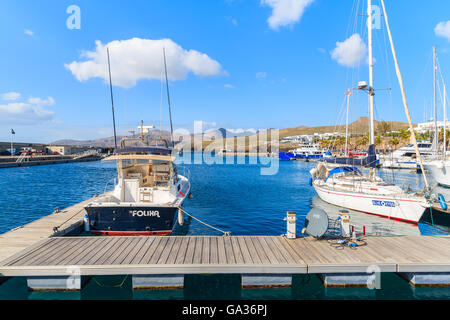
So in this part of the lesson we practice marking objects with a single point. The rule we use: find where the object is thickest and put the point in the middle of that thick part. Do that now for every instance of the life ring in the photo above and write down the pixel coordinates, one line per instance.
(442, 201)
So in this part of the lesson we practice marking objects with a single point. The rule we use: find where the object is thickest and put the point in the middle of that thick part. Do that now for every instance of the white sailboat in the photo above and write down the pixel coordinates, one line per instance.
(347, 187)
(440, 168)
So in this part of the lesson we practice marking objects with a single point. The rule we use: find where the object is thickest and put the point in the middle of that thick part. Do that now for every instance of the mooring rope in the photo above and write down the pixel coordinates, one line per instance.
(56, 228)
(120, 285)
(225, 233)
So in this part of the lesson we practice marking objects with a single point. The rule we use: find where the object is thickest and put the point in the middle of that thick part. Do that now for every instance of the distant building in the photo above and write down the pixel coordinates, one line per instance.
(429, 126)
(67, 150)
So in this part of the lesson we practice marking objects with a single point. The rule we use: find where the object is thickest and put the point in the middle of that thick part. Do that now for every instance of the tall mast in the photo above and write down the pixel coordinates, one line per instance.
(435, 142)
(371, 90)
(405, 104)
(112, 99)
(445, 122)
(346, 122)
(168, 95)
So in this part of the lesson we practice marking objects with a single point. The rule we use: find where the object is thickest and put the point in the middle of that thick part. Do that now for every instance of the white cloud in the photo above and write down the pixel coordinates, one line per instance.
(27, 113)
(285, 12)
(261, 75)
(10, 96)
(442, 29)
(136, 59)
(228, 86)
(350, 52)
(28, 32)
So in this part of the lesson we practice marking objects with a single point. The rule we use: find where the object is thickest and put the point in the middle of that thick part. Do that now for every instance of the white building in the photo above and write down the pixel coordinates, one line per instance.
(429, 126)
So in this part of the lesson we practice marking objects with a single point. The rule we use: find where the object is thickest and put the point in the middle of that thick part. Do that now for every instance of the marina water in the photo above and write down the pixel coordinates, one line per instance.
(230, 197)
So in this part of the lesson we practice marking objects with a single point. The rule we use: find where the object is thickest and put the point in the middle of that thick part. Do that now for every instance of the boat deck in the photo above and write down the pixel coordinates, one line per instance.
(225, 254)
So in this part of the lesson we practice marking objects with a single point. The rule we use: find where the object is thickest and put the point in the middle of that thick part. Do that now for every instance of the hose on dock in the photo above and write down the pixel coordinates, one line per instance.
(225, 233)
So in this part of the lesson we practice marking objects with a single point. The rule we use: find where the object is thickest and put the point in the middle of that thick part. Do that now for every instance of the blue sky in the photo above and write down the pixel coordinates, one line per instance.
(235, 63)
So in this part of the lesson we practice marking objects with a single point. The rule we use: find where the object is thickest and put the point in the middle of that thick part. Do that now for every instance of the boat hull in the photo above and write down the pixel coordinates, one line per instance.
(134, 220)
(397, 208)
(441, 174)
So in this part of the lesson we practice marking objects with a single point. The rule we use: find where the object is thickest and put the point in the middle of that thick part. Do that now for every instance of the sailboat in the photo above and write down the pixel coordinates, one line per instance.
(439, 168)
(346, 186)
(149, 191)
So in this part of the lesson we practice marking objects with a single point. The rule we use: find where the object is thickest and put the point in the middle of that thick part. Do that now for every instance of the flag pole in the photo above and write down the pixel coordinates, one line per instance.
(11, 132)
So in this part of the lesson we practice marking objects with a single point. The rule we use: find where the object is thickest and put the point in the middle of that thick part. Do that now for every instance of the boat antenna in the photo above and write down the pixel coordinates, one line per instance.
(405, 104)
(112, 99)
(168, 95)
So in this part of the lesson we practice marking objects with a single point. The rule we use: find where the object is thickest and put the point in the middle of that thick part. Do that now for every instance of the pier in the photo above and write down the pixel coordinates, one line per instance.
(162, 261)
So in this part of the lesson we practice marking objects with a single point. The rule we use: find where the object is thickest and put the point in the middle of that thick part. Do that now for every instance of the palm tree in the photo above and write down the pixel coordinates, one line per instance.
(394, 142)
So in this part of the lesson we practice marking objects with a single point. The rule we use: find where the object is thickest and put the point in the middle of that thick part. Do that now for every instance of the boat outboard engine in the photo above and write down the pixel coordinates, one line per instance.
(316, 223)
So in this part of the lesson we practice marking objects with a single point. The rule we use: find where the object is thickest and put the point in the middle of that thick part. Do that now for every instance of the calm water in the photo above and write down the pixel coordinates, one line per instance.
(233, 198)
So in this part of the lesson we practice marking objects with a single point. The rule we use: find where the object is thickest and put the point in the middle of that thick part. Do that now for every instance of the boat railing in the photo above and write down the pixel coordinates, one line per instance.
(108, 182)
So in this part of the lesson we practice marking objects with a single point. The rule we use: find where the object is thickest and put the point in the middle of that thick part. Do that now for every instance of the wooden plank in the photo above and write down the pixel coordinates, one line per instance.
(174, 252)
(237, 250)
(158, 251)
(54, 257)
(105, 250)
(148, 253)
(221, 251)
(261, 252)
(290, 255)
(49, 249)
(80, 251)
(189, 256)
(244, 250)
(198, 252)
(120, 252)
(137, 248)
(229, 250)
(165, 253)
(91, 252)
(214, 251)
(26, 257)
(206, 250)
(182, 251)
(251, 248)
(277, 257)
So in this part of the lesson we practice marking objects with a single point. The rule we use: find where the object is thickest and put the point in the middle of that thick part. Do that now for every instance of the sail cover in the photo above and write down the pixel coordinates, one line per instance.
(342, 169)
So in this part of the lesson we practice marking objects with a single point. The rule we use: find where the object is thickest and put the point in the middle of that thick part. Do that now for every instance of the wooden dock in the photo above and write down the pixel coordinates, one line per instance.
(20, 238)
(179, 255)
(47, 253)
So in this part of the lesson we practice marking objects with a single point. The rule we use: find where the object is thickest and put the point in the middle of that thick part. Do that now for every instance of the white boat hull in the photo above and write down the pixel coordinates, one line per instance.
(389, 164)
(407, 209)
(440, 172)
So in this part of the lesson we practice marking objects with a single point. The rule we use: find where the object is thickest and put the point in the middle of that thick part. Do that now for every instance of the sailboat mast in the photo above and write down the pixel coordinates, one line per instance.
(371, 88)
(435, 142)
(346, 123)
(405, 104)
(445, 122)
(112, 99)
(168, 95)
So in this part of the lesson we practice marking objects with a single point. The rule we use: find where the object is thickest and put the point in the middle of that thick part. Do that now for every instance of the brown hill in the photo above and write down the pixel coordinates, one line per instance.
(359, 126)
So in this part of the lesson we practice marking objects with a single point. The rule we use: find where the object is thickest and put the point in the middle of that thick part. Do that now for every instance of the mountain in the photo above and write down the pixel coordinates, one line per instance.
(105, 142)
(359, 126)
